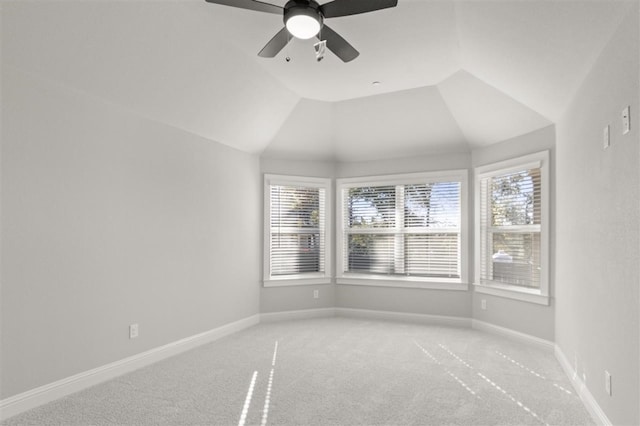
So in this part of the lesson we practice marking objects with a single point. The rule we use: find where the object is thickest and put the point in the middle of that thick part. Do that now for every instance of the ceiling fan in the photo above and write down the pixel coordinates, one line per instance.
(304, 19)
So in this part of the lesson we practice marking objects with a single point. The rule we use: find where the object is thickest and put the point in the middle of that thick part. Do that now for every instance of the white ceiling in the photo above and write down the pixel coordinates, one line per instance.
(455, 75)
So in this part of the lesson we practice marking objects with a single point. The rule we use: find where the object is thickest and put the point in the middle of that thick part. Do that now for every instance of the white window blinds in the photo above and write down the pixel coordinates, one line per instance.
(296, 230)
(402, 229)
(510, 228)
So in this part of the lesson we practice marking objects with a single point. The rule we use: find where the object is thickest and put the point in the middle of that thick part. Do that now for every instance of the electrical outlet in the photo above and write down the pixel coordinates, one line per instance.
(316, 294)
(133, 331)
(606, 139)
(607, 382)
(483, 304)
(626, 121)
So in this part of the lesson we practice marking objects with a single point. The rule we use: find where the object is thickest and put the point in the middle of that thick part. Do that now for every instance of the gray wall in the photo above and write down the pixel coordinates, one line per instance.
(598, 229)
(110, 219)
(434, 302)
(293, 298)
(530, 318)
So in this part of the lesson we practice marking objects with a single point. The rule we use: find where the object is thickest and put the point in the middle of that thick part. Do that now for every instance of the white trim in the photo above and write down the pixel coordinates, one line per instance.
(287, 282)
(17, 404)
(427, 319)
(402, 178)
(384, 281)
(512, 334)
(462, 322)
(587, 398)
(458, 175)
(539, 160)
(404, 316)
(41, 395)
(513, 292)
(529, 161)
(298, 314)
(314, 182)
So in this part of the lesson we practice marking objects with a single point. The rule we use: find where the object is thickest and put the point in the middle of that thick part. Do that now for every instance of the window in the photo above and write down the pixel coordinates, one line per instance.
(512, 228)
(406, 230)
(296, 237)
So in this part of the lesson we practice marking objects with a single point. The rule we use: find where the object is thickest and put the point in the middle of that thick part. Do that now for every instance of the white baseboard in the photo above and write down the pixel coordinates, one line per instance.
(403, 316)
(581, 388)
(27, 400)
(298, 315)
(507, 332)
(35, 397)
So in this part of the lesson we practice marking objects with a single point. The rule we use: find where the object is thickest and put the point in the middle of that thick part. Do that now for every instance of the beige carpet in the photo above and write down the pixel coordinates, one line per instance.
(334, 371)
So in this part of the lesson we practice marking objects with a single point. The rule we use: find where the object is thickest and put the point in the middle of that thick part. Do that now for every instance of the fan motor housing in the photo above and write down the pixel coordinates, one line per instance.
(302, 7)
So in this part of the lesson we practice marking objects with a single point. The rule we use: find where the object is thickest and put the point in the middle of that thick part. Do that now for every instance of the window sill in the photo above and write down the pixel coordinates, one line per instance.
(513, 292)
(295, 281)
(377, 281)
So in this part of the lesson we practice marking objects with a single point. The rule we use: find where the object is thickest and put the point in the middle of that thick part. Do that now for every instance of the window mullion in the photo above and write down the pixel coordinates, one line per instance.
(398, 249)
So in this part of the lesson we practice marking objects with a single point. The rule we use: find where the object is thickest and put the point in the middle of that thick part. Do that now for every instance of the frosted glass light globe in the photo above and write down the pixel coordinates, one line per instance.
(303, 26)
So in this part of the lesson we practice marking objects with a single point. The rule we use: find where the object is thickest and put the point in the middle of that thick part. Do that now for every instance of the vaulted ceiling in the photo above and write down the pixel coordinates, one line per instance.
(454, 75)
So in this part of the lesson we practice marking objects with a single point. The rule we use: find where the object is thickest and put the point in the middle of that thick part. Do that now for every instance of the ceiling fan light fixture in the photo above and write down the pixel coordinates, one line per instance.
(303, 26)
(302, 19)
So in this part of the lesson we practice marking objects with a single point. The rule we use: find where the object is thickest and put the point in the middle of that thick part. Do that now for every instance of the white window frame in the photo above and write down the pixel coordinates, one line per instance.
(307, 278)
(461, 283)
(536, 160)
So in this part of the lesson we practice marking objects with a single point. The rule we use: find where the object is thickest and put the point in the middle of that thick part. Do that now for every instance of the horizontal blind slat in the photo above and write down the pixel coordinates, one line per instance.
(408, 230)
(510, 229)
(296, 234)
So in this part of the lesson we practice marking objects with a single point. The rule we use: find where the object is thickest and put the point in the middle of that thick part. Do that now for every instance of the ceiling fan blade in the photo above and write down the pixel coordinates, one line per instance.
(251, 5)
(338, 8)
(276, 44)
(337, 44)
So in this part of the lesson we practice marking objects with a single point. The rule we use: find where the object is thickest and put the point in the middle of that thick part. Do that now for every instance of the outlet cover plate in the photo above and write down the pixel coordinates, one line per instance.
(133, 331)
(626, 121)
